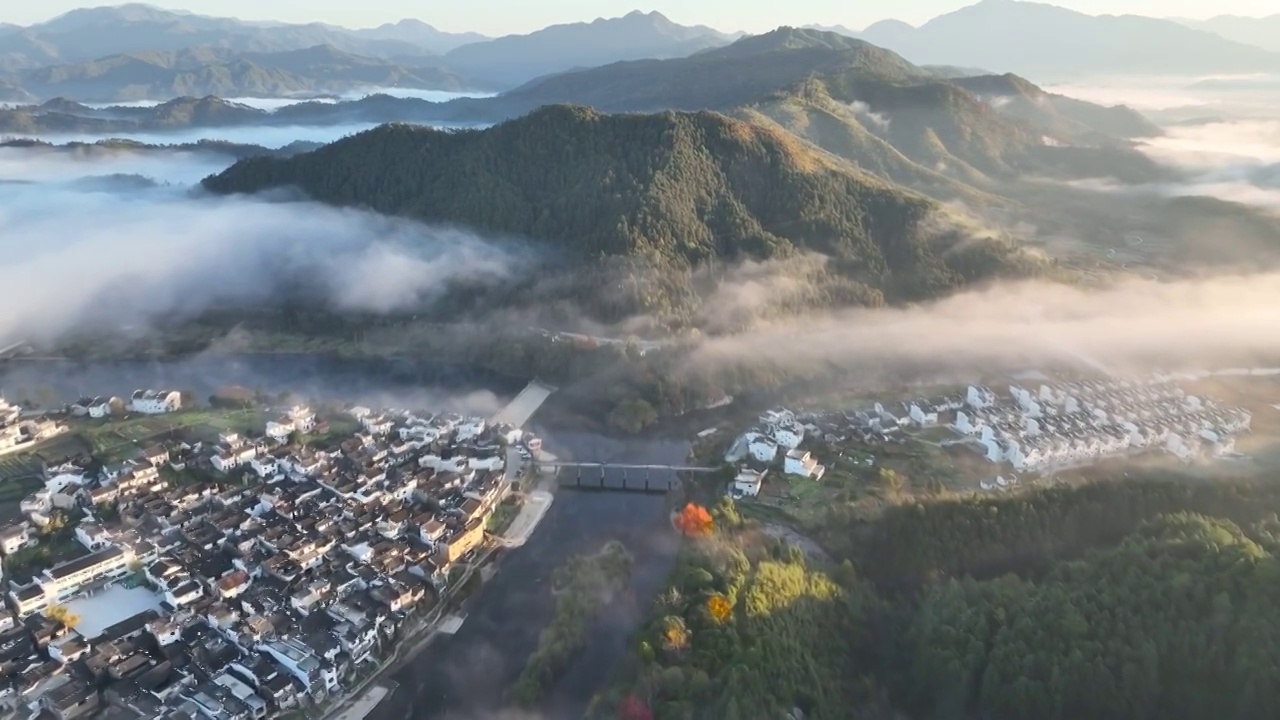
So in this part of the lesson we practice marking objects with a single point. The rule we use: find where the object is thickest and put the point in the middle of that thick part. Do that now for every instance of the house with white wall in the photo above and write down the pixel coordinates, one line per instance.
(747, 482)
(762, 448)
(155, 402)
(801, 463)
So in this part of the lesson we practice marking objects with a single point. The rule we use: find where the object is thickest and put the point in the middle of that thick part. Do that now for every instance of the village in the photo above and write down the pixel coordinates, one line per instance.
(1036, 428)
(262, 572)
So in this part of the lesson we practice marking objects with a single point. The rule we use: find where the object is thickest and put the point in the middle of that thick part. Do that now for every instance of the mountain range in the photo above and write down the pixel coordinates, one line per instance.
(1263, 32)
(1046, 41)
(515, 59)
(134, 52)
(123, 53)
(865, 104)
(204, 70)
(92, 33)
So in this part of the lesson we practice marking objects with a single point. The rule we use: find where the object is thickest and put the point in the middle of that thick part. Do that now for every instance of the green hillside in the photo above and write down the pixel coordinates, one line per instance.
(1138, 597)
(671, 192)
(965, 128)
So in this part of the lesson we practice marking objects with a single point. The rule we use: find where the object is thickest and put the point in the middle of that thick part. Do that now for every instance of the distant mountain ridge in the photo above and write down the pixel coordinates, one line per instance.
(863, 103)
(215, 71)
(117, 147)
(1263, 32)
(96, 35)
(91, 33)
(1038, 39)
(516, 59)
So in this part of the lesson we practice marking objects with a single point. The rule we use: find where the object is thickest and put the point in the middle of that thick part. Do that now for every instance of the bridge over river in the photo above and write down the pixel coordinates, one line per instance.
(621, 477)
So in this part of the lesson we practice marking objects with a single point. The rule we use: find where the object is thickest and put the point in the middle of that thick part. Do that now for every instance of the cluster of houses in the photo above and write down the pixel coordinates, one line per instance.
(18, 433)
(1059, 424)
(270, 588)
(143, 402)
(774, 445)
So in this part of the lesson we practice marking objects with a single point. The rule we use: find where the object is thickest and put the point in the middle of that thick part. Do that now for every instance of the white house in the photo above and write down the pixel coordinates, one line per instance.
(763, 449)
(264, 465)
(921, 417)
(15, 537)
(747, 482)
(803, 464)
(93, 536)
(155, 402)
(788, 436)
(100, 408)
(471, 429)
(300, 662)
(299, 419)
(979, 397)
(779, 416)
(65, 482)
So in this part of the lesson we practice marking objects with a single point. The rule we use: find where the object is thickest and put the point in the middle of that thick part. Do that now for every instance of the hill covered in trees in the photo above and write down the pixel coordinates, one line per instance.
(1130, 598)
(664, 195)
(997, 126)
(859, 101)
(202, 71)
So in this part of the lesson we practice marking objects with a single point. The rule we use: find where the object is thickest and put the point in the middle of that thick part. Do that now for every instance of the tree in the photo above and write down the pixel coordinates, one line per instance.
(675, 634)
(633, 708)
(890, 481)
(719, 607)
(62, 615)
(694, 521)
(633, 415)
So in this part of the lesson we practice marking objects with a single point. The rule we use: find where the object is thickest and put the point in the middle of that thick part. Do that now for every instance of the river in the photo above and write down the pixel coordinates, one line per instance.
(463, 676)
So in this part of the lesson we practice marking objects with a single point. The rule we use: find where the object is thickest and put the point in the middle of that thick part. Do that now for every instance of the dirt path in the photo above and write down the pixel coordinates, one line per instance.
(793, 537)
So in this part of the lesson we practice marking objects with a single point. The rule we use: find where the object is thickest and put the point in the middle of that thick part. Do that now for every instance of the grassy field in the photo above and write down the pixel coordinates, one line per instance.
(113, 440)
(18, 466)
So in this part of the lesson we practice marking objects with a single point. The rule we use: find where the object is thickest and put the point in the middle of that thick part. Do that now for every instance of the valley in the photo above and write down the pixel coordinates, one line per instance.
(888, 370)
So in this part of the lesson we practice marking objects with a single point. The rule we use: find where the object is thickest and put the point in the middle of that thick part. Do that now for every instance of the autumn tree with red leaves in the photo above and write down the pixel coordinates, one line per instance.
(694, 521)
(633, 708)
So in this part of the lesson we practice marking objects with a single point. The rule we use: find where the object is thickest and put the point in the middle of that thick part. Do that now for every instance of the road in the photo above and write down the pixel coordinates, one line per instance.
(535, 507)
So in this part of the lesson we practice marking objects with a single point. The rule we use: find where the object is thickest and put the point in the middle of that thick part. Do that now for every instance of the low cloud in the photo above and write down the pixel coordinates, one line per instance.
(271, 136)
(864, 112)
(79, 258)
(1217, 145)
(1011, 326)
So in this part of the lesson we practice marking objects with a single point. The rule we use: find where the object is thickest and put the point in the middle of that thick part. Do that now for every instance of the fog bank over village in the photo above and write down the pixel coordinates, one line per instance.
(153, 253)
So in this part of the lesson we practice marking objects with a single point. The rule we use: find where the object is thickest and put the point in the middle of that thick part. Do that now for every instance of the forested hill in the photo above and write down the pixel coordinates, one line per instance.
(832, 89)
(671, 189)
(1134, 598)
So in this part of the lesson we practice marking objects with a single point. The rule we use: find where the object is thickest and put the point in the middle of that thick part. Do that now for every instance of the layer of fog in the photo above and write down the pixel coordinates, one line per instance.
(270, 136)
(1236, 161)
(81, 258)
(1134, 323)
(271, 104)
(1221, 133)
(46, 165)
(1177, 99)
(312, 378)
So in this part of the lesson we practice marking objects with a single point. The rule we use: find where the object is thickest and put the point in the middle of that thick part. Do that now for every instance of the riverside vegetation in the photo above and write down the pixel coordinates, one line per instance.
(1119, 600)
(583, 586)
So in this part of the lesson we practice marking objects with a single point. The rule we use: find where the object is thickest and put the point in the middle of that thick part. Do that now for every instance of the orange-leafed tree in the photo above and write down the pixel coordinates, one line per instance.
(719, 607)
(675, 634)
(694, 521)
(633, 708)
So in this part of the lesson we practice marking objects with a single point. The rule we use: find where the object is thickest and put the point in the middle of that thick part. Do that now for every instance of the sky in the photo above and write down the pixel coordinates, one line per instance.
(497, 17)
